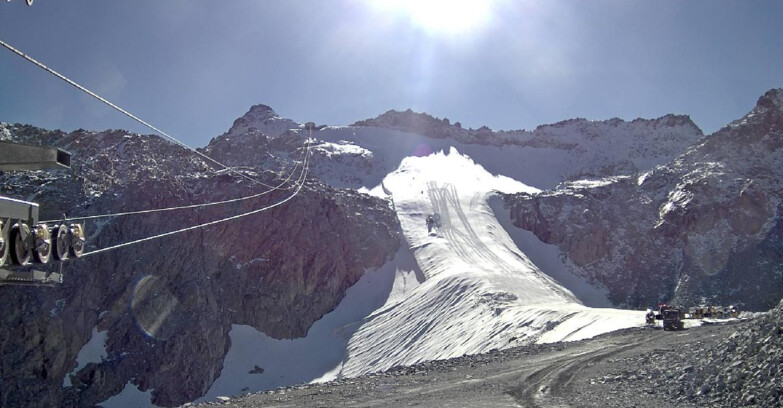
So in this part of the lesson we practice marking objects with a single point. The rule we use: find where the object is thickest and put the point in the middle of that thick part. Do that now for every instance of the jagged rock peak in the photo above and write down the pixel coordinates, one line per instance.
(261, 110)
(768, 113)
(772, 99)
(408, 120)
(668, 120)
(263, 118)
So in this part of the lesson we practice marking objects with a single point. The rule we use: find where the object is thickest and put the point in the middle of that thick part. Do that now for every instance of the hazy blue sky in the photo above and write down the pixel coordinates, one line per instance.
(191, 67)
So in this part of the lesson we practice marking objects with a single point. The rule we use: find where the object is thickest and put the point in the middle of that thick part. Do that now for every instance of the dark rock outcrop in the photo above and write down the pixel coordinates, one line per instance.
(166, 305)
(264, 119)
(705, 228)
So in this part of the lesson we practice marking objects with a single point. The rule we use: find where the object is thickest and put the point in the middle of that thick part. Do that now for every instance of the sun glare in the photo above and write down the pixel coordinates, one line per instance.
(441, 16)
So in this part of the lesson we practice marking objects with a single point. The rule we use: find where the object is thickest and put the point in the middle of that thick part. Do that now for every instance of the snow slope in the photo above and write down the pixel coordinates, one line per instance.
(480, 291)
(463, 288)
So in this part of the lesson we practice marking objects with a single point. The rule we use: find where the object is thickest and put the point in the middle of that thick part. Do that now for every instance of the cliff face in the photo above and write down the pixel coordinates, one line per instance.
(165, 306)
(705, 228)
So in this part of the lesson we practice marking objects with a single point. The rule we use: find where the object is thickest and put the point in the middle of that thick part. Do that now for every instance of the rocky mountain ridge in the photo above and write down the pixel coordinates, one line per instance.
(705, 228)
(166, 306)
(598, 148)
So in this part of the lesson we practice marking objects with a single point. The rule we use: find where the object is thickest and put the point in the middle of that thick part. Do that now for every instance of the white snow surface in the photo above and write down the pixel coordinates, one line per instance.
(541, 167)
(480, 291)
(549, 259)
(463, 288)
(94, 351)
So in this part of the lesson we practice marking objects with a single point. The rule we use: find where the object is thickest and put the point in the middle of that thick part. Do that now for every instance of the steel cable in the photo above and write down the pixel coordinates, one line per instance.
(300, 183)
(123, 111)
(182, 207)
(134, 117)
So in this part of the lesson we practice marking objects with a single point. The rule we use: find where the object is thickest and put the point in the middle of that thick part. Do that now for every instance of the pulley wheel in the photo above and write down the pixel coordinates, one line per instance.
(61, 242)
(20, 253)
(42, 244)
(3, 245)
(77, 240)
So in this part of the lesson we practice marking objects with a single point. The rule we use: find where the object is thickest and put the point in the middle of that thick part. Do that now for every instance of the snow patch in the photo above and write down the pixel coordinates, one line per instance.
(94, 351)
(549, 259)
(257, 362)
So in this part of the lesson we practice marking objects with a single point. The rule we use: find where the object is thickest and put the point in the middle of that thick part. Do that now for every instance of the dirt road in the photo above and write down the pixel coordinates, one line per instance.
(593, 373)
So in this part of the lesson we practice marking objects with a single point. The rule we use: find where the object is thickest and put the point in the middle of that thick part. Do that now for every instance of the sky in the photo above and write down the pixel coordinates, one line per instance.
(191, 67)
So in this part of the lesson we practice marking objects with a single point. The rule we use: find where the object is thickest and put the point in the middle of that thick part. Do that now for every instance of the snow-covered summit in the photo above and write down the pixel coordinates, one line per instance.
(568, 150)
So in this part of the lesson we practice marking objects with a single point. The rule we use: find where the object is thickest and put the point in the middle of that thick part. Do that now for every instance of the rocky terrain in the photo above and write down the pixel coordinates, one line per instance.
(727, 364)
(743, 369)
(166, 306)
(597, 148)
(649, 210)
(705, 228)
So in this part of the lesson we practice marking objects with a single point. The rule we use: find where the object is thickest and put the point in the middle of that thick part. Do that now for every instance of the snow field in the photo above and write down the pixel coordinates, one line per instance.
(481, 292)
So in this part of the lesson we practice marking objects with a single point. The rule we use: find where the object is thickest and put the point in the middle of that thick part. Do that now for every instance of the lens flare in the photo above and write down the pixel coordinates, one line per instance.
(153, 306)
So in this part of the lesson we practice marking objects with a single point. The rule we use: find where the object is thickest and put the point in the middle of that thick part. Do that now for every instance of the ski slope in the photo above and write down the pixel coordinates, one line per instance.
(480, 291)
(463, 288)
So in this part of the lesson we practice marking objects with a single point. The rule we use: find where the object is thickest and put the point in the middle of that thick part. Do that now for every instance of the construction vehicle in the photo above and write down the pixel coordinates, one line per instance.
(672, 319)
(673, 316)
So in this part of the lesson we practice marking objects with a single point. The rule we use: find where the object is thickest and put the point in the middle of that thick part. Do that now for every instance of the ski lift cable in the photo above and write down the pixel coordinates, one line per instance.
(125, 112)
(300, 183)
(182, 207)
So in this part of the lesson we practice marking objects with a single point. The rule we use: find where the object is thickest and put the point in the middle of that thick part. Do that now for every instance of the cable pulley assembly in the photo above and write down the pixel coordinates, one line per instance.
(21, 238)
(42, 244)
(3, 244)
(61, 242)
(77, 239)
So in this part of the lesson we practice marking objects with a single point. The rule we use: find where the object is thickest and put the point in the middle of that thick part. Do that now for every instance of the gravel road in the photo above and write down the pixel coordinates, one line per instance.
(619, 369)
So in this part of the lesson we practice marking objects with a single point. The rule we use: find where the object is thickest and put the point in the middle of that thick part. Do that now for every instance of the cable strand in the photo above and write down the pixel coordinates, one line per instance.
(125, 112)
(182, 207)
(301, 181)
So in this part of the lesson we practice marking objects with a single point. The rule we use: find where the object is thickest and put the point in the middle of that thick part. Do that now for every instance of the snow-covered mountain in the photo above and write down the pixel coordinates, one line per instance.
(705, 228)
(399, 251)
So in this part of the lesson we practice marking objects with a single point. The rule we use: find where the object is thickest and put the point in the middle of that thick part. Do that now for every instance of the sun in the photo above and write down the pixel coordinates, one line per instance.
(441, 16)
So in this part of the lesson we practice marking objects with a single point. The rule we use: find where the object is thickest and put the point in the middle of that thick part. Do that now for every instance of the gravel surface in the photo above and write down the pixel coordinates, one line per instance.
(642, 367)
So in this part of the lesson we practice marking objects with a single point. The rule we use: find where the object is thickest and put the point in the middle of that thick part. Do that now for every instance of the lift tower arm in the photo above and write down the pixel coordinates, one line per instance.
(20, 233)
(17, 156)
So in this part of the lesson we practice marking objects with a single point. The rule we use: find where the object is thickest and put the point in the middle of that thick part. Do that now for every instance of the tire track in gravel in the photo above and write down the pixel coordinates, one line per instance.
(548, 386)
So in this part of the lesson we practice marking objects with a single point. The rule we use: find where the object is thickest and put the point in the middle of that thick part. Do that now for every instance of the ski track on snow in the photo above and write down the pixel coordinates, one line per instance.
(464, 289)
